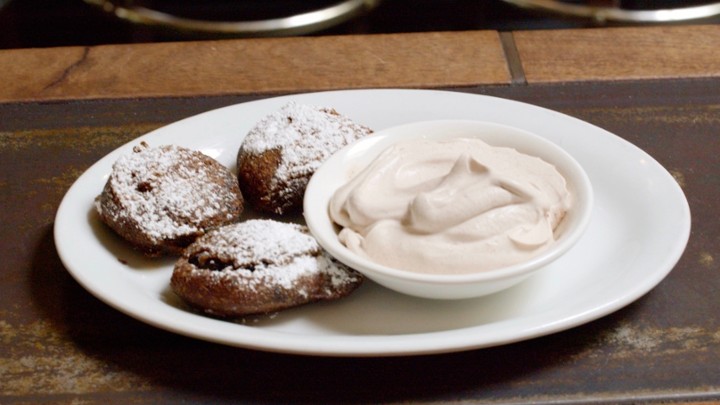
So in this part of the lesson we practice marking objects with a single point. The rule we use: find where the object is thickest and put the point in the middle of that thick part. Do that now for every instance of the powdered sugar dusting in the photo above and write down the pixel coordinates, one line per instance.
(306, 136)
(266, 252)
(165, 190)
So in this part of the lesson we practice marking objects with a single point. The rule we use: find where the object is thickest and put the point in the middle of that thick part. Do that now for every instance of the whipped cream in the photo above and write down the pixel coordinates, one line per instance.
(452, 206)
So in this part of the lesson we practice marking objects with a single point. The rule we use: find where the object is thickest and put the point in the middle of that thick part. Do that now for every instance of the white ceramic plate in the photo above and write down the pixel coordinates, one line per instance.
(639, 229)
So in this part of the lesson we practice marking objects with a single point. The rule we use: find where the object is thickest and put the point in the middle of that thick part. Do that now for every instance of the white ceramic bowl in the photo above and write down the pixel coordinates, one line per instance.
(343, 165)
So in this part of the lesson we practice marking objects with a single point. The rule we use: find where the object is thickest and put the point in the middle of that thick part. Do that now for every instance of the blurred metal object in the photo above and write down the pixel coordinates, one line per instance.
(614, 12)
(300, 23)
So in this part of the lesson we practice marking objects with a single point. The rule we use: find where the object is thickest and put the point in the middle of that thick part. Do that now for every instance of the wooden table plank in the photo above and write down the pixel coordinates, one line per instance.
(62, 345)
(253, 66)
(62, 109)
(619, 53)
(422, 60)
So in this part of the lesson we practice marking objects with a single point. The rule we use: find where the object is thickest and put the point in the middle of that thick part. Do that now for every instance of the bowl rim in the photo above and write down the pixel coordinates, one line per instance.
(317, 197)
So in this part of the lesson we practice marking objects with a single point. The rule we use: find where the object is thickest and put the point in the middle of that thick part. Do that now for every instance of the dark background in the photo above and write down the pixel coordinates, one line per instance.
(46, 23)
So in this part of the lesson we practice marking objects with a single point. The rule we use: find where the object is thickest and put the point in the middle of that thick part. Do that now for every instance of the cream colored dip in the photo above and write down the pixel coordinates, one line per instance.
(451, 206)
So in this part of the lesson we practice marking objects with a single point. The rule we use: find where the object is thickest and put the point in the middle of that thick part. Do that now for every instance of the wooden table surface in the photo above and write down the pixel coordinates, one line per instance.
(61, 109)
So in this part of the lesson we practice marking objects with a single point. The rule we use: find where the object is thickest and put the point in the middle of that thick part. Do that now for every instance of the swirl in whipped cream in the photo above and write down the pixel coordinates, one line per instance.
(453, 206)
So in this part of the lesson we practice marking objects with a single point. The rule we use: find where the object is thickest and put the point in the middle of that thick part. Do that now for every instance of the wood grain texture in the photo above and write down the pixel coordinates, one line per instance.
(60, 344)
(253, 66)
(619, 53)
